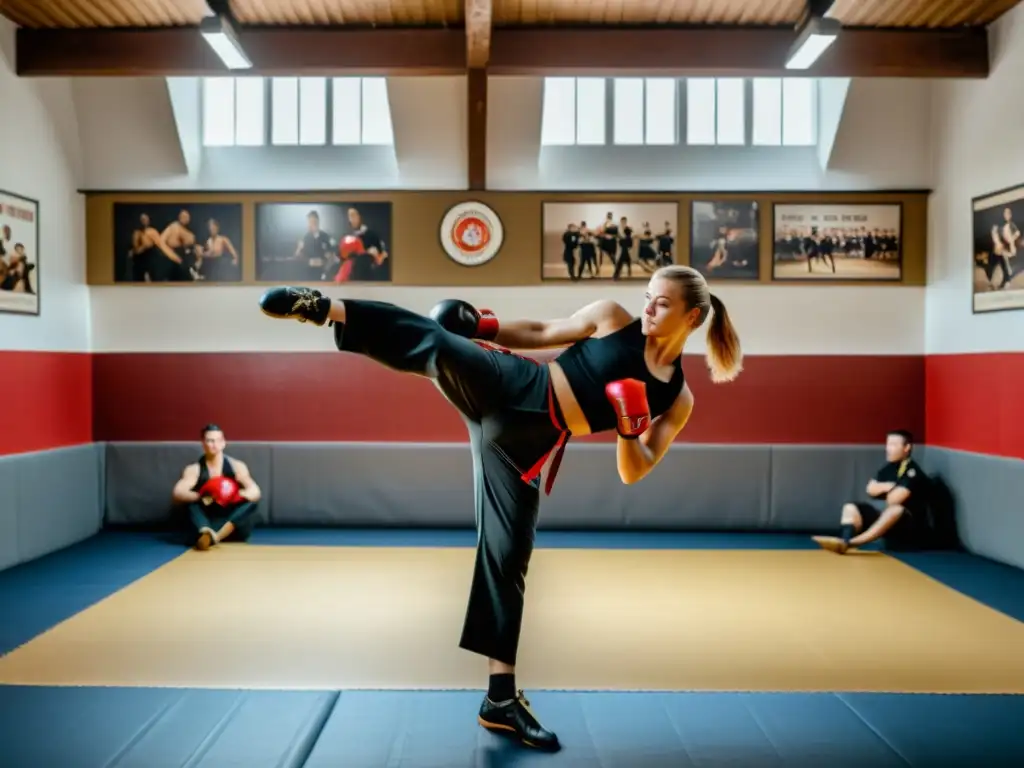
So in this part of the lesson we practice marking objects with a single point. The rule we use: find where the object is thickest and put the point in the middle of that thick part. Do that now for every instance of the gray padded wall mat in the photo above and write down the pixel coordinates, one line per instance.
(370, 484)
(694, 487)
(989, 496)
(141, 476)
(810, 483)
(724, 487)
(51, 500)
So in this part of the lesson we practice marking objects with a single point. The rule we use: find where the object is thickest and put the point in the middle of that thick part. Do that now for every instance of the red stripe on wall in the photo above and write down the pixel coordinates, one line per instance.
(973, 402)
(345, 397)
(47, 400)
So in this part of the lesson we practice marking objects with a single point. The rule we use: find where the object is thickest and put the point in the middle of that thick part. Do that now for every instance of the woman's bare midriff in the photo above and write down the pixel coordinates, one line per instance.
(571, 411)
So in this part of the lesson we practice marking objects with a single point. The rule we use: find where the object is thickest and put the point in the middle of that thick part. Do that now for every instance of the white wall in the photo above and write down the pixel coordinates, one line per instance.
(978, 148)
(786, 320)
(40, 158)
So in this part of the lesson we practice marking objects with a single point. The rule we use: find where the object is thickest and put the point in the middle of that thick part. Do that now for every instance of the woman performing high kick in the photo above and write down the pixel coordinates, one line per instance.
(618, 371)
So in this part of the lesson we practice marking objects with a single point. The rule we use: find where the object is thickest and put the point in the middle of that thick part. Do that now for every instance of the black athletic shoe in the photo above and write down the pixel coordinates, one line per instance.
(302, 304)
(515, 718)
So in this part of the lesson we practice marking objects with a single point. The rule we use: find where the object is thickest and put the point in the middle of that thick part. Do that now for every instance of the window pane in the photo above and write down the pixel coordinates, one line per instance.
(346, 118)
(284, 109)
(660, 110)
(798, 119)
(590, 110)
(377, 125)
(629, 110)
(218, 111)
(313, 110)
(558, 116)
(767, 111)
(700, 110)
(731, 114)
(250, 115)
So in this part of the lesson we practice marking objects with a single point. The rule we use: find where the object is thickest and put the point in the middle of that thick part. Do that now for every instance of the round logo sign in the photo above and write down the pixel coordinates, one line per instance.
(471, 234)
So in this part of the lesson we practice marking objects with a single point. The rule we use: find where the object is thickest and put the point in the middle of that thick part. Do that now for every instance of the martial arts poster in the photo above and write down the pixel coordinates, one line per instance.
(177, 242)
(323, 242)
(998, 273)
(842, 241)
(19, 254)
(724, 239)
(617, 240)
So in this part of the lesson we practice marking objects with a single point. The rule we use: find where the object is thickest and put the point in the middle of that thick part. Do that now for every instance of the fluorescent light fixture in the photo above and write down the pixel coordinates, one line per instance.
(813, 40)
(219, 34)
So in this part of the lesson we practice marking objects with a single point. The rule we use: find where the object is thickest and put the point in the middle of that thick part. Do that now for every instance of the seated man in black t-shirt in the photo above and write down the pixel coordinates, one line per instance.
(903, 521)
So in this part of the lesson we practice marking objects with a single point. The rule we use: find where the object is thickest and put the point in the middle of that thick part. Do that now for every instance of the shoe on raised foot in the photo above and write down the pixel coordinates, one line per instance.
(514, 717)
(302, 304)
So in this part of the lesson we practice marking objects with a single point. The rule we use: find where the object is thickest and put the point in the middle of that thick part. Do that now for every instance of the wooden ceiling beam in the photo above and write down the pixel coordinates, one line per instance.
(478, 15)
(274, 51)
(959, 53)
(737, 52)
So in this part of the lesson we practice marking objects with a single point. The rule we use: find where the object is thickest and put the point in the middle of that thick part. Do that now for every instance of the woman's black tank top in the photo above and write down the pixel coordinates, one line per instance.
(592, 363)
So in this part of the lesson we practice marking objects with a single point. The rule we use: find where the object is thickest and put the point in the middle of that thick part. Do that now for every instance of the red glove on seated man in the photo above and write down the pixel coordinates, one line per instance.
(463, 319)
(222, 491)
(629, 399)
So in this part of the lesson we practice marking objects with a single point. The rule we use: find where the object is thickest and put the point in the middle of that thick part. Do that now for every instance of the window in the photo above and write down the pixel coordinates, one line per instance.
(590, 111)
(250, 112)
(782, 111)
(799, 126)
(661, 110)
(218, 111)
(573, 111)
(645, 110)
(730, 104)
(767, 111)
(295, 111)
(701, 124)
(233, 109)
(360, 111)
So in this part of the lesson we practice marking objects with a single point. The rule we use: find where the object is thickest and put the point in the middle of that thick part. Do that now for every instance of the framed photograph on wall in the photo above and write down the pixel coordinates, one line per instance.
(182, 242)
(19, 254)
(619, 240)
(724, 239)
(997, 277)
(837, 241)
(332, 242)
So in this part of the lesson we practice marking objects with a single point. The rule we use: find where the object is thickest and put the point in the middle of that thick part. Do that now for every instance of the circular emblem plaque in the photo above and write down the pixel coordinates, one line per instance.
(471, 234)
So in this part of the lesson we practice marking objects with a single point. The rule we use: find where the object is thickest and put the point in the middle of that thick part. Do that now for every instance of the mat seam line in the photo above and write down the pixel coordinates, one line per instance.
(872, 728)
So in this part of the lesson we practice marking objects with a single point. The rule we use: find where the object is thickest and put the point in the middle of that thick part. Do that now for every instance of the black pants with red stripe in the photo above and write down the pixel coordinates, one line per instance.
(504, 401)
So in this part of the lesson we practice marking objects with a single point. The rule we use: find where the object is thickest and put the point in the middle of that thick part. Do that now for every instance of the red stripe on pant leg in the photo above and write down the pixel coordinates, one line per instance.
(973, 402)
(345, 397)
(47, 400)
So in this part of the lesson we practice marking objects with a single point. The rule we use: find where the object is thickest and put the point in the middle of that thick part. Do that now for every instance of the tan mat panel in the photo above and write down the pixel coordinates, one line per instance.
(368, 617)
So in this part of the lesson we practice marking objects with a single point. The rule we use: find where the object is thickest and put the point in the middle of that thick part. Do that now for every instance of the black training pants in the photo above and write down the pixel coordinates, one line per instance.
(242, 515)
(503, 399)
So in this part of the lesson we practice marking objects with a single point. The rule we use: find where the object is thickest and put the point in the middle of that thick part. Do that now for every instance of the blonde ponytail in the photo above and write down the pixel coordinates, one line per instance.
(724, 355)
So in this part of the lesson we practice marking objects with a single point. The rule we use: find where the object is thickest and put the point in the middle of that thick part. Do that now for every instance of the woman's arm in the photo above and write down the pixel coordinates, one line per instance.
(542, 334)
(636, 458)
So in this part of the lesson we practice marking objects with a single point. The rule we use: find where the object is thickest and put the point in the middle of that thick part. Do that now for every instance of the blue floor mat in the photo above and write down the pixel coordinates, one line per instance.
(40, 594)
(152, 728)
(997, 585)
(464, 537)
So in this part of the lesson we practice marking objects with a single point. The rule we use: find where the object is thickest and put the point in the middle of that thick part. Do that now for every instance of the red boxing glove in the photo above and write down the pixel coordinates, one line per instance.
(222, 491)
(629, 399)
(461, 318)
(487, 327)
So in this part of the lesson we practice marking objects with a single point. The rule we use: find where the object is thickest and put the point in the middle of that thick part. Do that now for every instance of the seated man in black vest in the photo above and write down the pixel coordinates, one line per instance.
(903, 521)
(220, 493)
